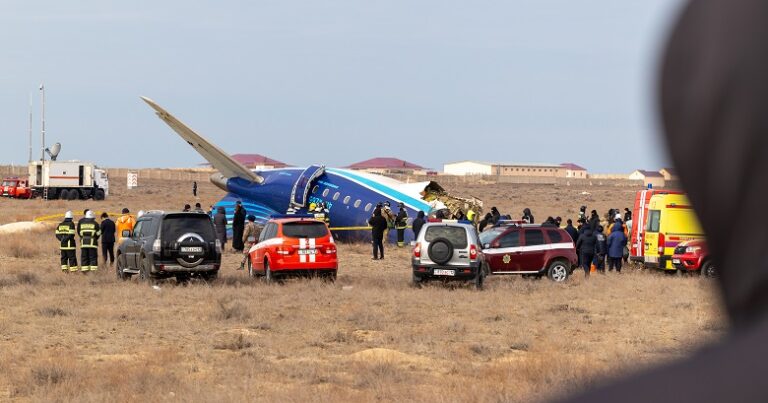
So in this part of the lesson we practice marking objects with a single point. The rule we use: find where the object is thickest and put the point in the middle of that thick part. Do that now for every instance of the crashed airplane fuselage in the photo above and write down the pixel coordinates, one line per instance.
(350, 196)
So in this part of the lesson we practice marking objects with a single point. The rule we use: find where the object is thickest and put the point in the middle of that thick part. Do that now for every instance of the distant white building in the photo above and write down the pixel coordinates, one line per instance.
(468, 168)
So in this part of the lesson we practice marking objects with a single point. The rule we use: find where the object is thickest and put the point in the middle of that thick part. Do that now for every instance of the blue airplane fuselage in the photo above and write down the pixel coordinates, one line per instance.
(349, 196)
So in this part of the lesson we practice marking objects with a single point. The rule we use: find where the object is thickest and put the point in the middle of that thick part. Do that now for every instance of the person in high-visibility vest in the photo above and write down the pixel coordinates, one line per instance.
(124, 222)
(89, 232)
(65, 233)
(401, 223)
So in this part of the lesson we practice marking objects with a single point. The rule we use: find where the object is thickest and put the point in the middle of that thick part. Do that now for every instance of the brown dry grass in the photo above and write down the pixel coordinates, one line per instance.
(367, 337)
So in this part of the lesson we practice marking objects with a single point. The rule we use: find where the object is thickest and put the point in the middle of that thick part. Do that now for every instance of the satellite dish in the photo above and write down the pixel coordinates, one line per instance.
(54, 151)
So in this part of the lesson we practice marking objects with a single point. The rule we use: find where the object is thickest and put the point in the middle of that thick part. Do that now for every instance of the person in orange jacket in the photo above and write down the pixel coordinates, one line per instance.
(125, 222)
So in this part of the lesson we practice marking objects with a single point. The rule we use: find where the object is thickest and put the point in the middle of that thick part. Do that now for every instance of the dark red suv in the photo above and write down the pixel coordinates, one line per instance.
(536, 250)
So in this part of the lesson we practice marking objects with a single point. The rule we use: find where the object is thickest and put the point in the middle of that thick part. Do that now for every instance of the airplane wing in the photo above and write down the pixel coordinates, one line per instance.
(214, 155)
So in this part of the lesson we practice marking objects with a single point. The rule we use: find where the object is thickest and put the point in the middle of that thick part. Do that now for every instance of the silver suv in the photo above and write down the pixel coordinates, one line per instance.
(448, 250)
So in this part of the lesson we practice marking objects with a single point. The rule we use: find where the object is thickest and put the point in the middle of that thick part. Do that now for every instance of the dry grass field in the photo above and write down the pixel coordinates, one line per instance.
(367, 337)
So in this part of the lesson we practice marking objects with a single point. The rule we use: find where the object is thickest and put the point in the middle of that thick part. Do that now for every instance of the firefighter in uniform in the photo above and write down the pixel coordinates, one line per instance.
(401, 223)
(65, 233)
(89, 232)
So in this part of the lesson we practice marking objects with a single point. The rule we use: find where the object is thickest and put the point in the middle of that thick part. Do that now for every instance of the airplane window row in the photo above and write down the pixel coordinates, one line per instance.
(346, 200)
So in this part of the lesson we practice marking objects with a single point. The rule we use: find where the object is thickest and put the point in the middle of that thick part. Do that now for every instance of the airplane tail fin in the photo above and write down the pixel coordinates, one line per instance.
(220, 160)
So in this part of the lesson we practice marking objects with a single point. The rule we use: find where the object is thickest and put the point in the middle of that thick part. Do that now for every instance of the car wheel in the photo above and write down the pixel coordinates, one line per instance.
(119, 267)
(210, 277)
(557, 271)
(98, 194)
(479, 278)
(417, 280)
(268, 276)
(73, 195)
(250, 268)
(709, 269)
(144, 275)
(440, 250)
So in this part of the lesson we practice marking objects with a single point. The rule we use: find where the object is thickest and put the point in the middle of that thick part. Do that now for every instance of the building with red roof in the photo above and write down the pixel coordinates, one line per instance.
(387, 165)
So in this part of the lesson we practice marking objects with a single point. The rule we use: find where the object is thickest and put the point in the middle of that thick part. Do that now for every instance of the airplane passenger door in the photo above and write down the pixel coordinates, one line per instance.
(304, 183)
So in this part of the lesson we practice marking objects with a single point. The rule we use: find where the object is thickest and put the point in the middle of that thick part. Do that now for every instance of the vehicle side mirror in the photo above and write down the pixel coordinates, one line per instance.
(486, 246)
(126, 233)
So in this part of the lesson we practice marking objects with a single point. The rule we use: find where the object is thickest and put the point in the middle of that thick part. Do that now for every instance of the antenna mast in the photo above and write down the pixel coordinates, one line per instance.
(30, 128)
(42, 122)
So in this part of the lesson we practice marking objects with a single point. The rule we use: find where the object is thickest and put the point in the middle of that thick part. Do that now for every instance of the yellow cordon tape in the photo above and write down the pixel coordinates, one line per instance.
(60, 216)
(351, 228)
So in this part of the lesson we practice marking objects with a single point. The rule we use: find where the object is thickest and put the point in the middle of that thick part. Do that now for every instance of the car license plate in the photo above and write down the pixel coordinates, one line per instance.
(441, 272)
(307, 251)
(191, 249)
(676, 261)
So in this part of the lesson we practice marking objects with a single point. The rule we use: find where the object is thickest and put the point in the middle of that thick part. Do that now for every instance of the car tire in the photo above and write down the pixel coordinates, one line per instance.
(251, 274)
(119, 266)
(440, 250)
(268, 276)
(417, 280)
(708, 269)
(144, 275)
(479, 279)
(98, 194)
(73, 194)
(210, 277)
(557, 271)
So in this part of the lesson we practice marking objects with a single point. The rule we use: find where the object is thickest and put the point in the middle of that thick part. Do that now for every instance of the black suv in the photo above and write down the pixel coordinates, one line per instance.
(163, 245)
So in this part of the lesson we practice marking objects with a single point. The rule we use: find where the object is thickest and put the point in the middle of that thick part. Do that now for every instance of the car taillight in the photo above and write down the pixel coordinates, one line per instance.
(472, 252)
(329, 249)
(661, 244)
(284, 250)
(157, 246)
(417, 250)
(218, 246)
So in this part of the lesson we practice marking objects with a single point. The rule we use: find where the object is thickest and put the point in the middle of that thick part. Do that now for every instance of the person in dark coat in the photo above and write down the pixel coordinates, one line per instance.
(616, 243)
(107, 238)
(486, 221)
(713, 94)
(594, 220)
(220, 223)
(573, 232)
(495, 215)
(194, 189)
(378, 227)
(238, 225)
(586, 248)
(627, 215)
(417, 224)
(527, 216)
(601, 249)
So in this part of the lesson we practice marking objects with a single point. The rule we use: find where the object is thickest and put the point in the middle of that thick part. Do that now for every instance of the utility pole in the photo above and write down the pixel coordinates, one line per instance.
(30, 128)
(42, 123)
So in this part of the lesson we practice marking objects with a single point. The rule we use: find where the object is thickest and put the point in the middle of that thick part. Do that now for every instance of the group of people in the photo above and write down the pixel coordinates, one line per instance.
(595, 243)
(89, 232)
(383, 219)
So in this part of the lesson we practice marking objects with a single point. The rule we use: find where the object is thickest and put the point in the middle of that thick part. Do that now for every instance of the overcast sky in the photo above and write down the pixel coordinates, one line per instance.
(337, 82)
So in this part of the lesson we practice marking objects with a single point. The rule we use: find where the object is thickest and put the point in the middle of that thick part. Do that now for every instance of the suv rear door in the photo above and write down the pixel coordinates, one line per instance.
(187, 238)
(456, 235)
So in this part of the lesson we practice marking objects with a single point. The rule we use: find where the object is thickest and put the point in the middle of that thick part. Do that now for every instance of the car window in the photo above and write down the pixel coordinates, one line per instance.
(137, 229)
(534, 237)
(510, 239)
(174, 226)
(305, 229)
(457, 235)
(654, 216)
(555, 236)
(264, 232)
(489, 235)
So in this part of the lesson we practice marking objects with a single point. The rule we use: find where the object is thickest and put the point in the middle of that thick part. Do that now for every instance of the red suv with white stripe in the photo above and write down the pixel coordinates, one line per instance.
(293, 245)
(535, 250)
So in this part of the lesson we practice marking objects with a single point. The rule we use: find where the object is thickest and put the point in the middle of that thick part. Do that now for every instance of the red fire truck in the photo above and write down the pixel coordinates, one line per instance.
(17, 188)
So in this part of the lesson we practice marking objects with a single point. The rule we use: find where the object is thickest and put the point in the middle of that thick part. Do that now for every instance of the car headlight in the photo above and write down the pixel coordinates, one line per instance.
(692, 249)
